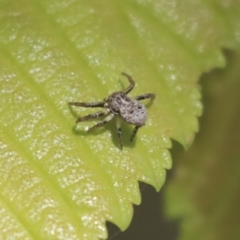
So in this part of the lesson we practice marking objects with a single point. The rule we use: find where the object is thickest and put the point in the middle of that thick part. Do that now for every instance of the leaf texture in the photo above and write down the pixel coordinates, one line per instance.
(57, 182)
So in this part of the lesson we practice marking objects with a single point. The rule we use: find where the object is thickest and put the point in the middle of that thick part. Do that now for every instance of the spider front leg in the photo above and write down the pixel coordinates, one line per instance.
(132, 83)
(101, 123)
(85, 104)
(90, 116)
(144, 96)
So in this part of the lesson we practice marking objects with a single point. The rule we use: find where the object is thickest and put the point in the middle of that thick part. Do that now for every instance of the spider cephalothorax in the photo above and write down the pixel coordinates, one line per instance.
(119, 104)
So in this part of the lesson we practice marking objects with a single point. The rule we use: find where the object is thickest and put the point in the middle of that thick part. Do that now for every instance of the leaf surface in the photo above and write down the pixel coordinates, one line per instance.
(57, 182)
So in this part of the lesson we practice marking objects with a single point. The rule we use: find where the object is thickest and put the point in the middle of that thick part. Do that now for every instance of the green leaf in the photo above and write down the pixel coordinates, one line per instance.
(57, 182)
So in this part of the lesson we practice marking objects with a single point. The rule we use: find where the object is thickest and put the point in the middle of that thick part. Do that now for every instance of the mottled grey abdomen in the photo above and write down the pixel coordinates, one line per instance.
(135, 113)
(130, 110)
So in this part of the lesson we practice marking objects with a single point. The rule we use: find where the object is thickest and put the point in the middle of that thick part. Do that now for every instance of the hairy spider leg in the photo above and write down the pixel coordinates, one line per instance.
(134, 133)
(131, 81)
(144, 96)
(119, 132)
(93, 115)
(101, 123)
(85, 104)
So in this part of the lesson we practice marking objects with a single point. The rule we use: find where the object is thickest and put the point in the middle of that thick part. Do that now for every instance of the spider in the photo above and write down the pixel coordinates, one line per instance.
(118, 104)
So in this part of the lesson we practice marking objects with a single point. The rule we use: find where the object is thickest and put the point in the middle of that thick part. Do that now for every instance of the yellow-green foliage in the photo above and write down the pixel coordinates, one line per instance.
(57, 182)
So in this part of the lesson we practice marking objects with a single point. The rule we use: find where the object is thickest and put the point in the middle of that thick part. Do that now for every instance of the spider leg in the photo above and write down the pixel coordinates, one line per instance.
(90, 116)
(101, 123)
(134, 133)
(131, 81)
(144, 96)
(119, 133)
(85, 104)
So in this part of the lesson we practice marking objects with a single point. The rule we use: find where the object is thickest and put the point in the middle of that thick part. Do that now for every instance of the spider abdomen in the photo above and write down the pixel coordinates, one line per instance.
(130, 110)
(136, 114)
